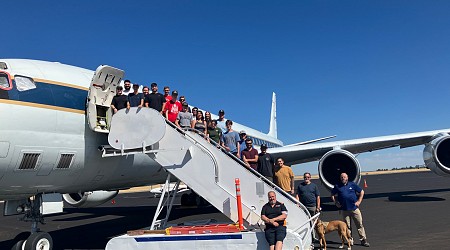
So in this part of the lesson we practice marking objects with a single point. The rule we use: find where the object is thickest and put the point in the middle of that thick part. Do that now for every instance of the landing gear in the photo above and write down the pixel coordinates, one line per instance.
(193, 199)
(184, 200)
(37, 240)
(19, 245)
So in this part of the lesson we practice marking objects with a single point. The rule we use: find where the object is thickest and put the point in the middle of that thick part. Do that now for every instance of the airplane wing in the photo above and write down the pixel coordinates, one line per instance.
(338, 156)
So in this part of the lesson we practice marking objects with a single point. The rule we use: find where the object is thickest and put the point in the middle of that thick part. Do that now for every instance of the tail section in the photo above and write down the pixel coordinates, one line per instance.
(273, 117)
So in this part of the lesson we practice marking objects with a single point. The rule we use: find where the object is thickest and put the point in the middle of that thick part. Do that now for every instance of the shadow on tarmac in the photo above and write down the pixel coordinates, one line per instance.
(95, 235)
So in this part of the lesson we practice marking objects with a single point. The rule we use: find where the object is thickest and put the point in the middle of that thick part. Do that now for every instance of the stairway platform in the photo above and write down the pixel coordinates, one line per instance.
(250, 240)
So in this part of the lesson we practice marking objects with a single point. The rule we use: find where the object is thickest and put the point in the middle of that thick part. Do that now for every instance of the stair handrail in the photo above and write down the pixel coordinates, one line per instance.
(289, 197)
(238, 160)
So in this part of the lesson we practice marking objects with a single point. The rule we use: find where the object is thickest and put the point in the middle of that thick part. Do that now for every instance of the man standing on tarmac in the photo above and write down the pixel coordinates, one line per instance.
(274, 214)
(308, 194)
(348, 196)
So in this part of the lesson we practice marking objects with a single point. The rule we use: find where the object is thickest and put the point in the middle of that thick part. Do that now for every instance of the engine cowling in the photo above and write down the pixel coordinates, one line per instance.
(436, 155)
(335, 162)
(89, 199)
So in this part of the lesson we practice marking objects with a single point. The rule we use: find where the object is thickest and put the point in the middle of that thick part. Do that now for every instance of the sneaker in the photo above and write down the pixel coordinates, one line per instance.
(365, 243)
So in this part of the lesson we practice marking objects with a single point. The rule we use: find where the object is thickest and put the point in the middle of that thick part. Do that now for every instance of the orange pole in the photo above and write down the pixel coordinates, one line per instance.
(239, 203)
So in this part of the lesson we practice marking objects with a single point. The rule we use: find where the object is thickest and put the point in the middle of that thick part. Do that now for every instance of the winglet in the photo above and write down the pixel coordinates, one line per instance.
(273, 117)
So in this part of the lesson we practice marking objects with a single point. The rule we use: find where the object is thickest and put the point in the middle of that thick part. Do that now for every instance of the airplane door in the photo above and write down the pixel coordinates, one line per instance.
(101, 92)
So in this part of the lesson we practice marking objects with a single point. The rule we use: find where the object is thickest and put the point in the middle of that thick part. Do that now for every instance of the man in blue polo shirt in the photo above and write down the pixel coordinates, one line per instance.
(348, 196)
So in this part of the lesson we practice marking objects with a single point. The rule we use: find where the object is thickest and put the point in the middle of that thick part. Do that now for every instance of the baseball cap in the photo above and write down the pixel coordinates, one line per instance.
(263, 145)
(221, 111)
(154, 84)
(242, 132)
(174, 92)
(185, 104)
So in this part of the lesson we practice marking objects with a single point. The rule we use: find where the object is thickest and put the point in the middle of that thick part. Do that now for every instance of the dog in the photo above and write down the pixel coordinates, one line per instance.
(323, 228)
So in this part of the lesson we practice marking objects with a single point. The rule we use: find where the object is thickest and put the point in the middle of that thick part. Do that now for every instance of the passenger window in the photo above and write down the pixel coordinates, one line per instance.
(24, 83)
(5, 81)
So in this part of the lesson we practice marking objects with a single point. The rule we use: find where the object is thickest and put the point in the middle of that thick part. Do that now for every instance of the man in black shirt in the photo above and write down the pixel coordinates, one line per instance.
(265, 163)
(155, 100)
(119, 101)
(274, 214)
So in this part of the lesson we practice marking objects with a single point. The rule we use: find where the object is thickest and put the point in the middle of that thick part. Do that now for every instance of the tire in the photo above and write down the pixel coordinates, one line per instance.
(184, 200)
(198, 201)
(39, 241)
(192, 199)
(18, 245)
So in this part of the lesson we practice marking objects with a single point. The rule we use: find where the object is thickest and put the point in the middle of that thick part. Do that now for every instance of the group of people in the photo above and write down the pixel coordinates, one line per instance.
(128, 96)
(346, 195)
(177, 111)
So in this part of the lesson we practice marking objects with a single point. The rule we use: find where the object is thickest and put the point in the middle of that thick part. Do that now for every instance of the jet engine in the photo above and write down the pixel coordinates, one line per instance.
(436, 155)
(89, 199)
(335, 162)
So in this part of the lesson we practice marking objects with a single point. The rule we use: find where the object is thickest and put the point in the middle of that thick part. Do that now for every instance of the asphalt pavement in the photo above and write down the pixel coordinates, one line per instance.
(400, 211)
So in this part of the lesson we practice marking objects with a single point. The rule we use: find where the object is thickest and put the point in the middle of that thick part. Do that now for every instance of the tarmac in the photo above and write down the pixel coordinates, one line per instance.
(404, 210)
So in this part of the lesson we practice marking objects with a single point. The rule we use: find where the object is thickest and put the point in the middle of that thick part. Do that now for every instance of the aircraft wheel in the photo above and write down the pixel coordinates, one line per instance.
(193, 199)
(39, 241)
(184, 200)
(19, 245)
(198, 201)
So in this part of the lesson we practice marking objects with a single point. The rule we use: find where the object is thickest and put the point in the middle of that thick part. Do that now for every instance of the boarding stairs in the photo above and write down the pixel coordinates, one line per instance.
(203, 166)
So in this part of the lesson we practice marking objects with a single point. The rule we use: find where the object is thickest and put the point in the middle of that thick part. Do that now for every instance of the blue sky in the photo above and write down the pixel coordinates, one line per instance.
(347, 68)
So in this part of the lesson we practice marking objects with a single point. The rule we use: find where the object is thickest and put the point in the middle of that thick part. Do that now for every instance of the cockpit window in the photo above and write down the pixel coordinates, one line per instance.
(5, 81)
(24, 83)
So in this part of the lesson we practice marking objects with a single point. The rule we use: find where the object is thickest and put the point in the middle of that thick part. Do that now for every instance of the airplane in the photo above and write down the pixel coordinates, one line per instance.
(55, 120)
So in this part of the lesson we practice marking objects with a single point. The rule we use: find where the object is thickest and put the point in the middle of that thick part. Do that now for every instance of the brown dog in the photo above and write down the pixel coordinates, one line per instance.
(323, 228)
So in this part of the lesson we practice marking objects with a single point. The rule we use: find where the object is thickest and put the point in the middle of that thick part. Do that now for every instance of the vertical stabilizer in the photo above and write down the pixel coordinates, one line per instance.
(273, 117)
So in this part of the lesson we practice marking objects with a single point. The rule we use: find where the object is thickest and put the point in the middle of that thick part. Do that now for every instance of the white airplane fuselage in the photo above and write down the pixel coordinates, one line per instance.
(31, 126)
(49, 121)
(51, 133)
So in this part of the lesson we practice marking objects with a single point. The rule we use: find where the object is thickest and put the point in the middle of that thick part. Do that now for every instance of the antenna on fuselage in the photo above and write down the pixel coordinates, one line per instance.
(273, 117)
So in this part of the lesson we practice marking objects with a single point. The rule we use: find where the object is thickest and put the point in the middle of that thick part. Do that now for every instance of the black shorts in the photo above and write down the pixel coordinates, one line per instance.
(275, 234)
